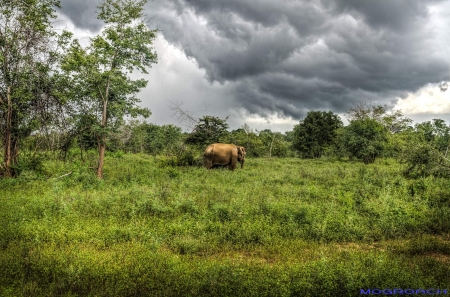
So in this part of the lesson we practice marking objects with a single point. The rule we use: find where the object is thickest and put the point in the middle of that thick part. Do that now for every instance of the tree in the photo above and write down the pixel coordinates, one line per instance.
(392, 119)
(274, 143)
(365, 139)
(82, 131)
(425, 149)
(99, 72)
(26, 60)
(208, 130)
(154, 139)
(435, 132)
(315, 133)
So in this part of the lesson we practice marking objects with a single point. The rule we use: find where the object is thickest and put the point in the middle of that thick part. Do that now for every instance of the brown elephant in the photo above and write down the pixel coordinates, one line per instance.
(224, 154)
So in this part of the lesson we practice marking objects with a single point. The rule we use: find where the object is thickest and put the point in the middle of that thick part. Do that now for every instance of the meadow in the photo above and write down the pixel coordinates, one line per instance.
(279, 227)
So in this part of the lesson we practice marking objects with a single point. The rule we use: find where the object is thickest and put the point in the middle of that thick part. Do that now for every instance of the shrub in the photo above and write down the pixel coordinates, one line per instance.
(365, 139)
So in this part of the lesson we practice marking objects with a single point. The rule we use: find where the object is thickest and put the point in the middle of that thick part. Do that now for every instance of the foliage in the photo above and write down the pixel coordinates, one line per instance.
(99, 72)
(302, 228)
(365, 139)
(425, 151)
(393, 120)
(28, 77)
(83, 133)
(315, 133)
(422, 159)
(208, 130)
(142, 137)
(264, 143)
(274, 143)
(436, 133)
(247, 137)
(338, 148)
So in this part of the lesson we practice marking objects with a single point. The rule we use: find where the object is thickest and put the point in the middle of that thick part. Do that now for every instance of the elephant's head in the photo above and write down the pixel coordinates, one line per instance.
(241, 155)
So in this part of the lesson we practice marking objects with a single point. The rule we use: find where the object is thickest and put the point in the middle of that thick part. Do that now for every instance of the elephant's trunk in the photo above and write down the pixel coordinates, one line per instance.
(242, 163)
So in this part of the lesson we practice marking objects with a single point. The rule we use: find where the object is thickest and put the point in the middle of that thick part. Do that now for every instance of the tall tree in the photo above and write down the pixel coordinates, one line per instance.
(26, 59)
(315, 133)
(100, 71)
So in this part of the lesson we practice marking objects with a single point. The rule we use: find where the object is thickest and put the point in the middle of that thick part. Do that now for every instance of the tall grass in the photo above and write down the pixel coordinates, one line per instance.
(280, 227)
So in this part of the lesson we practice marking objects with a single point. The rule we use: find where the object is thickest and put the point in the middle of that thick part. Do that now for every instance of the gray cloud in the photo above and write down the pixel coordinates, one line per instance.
(399, 15)
(289, 57)
(83, 13)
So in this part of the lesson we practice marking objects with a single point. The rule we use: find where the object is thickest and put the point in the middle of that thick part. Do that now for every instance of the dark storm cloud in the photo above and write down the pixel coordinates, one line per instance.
(398, 15)
(300, 55)
(288, 57)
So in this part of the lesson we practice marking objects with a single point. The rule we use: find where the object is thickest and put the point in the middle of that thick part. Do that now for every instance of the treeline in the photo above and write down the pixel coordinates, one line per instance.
(373, 131)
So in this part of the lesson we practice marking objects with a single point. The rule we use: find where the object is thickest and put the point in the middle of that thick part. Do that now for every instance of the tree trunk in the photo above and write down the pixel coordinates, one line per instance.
(102, 138)
(7, 158)
(270, 149)
(101, 157)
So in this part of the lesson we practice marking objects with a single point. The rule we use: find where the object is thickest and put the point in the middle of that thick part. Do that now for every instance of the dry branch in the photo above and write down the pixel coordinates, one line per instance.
(65, 175)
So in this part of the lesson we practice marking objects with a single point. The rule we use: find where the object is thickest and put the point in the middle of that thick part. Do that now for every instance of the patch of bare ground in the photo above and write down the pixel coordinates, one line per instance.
(300, 251)
(440, 257)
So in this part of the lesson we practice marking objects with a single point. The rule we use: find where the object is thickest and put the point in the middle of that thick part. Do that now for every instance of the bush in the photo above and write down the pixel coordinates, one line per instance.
(424, 160)
(365, 139)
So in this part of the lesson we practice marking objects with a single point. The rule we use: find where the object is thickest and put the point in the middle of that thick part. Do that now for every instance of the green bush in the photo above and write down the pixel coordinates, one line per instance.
(422, 160)
(365, 139)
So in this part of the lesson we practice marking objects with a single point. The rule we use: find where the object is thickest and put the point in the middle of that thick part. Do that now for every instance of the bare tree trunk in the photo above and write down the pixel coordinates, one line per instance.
(7, 159)
(101, 157)
(102, 141)
(102, 138)
(270, 150)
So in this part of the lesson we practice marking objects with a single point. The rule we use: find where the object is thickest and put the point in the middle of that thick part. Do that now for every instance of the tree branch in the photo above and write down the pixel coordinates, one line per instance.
(183, 115)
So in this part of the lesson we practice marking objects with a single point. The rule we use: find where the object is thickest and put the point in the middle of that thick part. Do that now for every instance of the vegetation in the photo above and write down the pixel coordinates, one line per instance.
(208, 130)
(100, 85)
(393, 120)
(281, 227)
(427, 153)
(365, 139)
(27, 56)
(315, 133)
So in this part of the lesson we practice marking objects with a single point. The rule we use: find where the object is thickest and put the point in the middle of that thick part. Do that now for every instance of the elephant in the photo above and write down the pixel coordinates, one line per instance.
(224, 154)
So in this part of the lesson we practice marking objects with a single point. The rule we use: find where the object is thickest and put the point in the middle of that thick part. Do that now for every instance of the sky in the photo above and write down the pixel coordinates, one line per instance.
(267, 63)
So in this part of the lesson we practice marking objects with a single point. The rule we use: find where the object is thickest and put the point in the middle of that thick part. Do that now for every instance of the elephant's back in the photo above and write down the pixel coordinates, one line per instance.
(220, 149)
(209, 150)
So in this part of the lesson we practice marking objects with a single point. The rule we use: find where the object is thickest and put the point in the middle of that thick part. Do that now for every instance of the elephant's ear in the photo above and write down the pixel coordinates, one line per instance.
(241, 151)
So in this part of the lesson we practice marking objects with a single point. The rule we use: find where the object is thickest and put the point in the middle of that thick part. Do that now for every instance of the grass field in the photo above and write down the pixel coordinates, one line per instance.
(280, 227)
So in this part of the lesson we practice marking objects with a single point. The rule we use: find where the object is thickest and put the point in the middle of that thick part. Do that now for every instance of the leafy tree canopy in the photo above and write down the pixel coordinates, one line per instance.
(425, 149)
(315, 133)
(393, 120)
(209, 129)
(100, 71)
(365, 139)
(28, 54)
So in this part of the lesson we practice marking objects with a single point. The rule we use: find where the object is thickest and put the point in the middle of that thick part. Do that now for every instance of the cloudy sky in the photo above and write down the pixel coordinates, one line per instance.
(267, 63)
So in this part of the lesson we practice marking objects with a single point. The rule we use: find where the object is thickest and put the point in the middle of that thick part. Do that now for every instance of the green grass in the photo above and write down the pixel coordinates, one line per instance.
(280, 227)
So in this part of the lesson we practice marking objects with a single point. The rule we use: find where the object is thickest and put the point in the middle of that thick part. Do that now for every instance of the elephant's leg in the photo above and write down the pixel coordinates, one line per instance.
(208, 163)
(232, 165)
